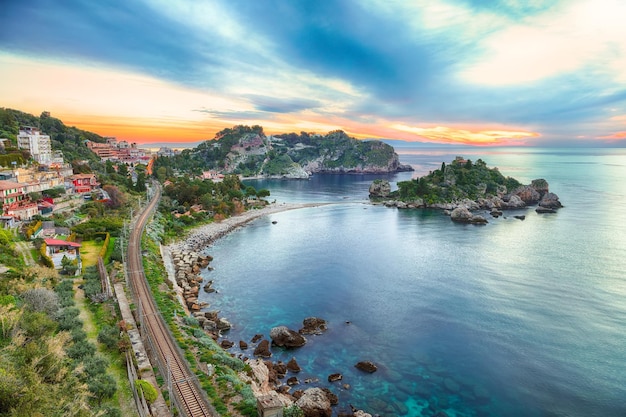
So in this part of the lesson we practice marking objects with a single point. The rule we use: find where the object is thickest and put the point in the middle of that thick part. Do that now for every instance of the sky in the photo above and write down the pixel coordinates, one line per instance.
(481, 72)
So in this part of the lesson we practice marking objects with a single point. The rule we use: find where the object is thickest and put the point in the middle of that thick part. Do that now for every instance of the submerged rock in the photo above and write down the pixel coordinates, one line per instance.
(366, 366)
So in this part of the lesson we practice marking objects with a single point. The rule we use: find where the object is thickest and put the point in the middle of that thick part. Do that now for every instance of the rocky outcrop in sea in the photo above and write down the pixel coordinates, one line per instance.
(464, 210)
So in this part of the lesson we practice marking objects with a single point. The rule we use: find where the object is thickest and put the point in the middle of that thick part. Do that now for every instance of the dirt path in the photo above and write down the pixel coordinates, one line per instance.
(25, 249)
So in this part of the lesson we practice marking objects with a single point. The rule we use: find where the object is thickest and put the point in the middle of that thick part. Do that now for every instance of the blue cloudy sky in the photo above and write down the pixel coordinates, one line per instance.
(486, 72)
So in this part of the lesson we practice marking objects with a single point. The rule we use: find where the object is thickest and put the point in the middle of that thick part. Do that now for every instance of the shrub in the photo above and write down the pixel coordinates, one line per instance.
(42, 300)
(78, 334)
(37, 324)
(149, 392)
(102, 386)
(191, 321)
(68, 318)
(293, 411)
(80, 350)
(95, 365)
(109, 336)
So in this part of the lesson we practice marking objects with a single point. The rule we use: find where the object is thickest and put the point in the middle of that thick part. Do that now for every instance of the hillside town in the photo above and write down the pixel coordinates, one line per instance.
(24, 188)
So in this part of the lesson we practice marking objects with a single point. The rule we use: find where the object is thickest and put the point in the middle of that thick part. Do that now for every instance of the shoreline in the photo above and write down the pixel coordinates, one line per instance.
(206, 234)
(202, 236)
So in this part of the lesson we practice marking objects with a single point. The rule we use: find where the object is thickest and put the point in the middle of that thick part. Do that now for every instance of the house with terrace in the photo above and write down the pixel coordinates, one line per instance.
(58, 249)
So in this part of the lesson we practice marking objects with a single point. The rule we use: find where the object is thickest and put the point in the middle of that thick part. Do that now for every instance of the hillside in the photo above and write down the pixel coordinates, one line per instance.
(68, 140)
(249, 152)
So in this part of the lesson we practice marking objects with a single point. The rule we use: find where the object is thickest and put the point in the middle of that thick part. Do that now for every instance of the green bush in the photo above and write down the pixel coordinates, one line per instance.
(95, 365)
(68, 318)
(37, 324)
(293, 411)
(191, 321)
(78, 334)
(149, 392)
(102, 386)
(109, 336)
(80, 350)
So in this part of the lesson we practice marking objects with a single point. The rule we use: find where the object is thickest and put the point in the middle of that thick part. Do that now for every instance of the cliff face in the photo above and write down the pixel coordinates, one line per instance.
(249, 152)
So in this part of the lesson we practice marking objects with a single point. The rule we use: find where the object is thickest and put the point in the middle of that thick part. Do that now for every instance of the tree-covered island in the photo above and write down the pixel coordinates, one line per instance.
(463, 186)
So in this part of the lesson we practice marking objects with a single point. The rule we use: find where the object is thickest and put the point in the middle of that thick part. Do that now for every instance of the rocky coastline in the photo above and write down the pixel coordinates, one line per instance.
(184, 262)
(473, 211)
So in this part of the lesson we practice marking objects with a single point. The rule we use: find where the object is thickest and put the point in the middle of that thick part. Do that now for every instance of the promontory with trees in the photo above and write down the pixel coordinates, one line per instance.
(248, 152)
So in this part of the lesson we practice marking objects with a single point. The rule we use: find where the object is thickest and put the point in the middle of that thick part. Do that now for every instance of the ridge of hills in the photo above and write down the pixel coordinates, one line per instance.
(247, 151)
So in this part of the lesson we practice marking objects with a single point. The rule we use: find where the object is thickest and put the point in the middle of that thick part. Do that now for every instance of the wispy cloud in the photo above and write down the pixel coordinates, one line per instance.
(553, 70)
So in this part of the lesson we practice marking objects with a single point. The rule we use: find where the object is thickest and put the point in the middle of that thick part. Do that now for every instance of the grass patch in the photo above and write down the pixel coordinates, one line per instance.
(109, 251)
(89, 251)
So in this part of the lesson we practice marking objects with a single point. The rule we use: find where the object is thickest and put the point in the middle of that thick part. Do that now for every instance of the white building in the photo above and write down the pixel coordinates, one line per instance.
(38, 145)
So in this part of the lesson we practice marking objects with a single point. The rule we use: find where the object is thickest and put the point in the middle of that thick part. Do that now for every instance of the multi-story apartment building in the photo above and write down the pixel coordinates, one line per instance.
(39, 146)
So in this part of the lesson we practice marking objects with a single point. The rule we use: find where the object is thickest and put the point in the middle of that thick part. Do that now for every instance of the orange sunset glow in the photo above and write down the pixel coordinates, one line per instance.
(453, 75)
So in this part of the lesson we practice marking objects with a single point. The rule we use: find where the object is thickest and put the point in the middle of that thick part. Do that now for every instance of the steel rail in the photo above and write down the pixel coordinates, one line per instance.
(187, 393)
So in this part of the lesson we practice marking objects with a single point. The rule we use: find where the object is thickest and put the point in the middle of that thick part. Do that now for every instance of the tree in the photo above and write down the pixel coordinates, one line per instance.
(116, 197)
(6, 238)
(141, 182)
(109, 336)
(42, 300)
(70, 266)
(102, 386)
(262, 193)
(161, 174)
(122, 169)
(250, 191)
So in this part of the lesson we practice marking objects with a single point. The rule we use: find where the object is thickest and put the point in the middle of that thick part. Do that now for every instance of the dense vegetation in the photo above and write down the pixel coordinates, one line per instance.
(69, 140)
(337, 148)
(210, 154)
(247, 151)
(49, 364)
(457, 180)
(191, 201)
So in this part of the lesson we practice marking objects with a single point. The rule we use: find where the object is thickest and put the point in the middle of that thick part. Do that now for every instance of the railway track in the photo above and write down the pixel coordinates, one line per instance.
(182, 383)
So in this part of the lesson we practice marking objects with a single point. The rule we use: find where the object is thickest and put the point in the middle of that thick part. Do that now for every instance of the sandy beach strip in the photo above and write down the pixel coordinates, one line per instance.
(204, 235)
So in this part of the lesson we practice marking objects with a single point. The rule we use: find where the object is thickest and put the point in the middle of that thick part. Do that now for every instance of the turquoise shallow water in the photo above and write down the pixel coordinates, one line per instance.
(515, 318)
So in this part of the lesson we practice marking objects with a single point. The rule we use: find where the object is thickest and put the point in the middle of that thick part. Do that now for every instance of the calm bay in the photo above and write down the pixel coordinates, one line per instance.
(514, 318)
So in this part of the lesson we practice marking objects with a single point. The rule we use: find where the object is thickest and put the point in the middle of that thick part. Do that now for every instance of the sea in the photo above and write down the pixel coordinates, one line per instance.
(512, 318)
